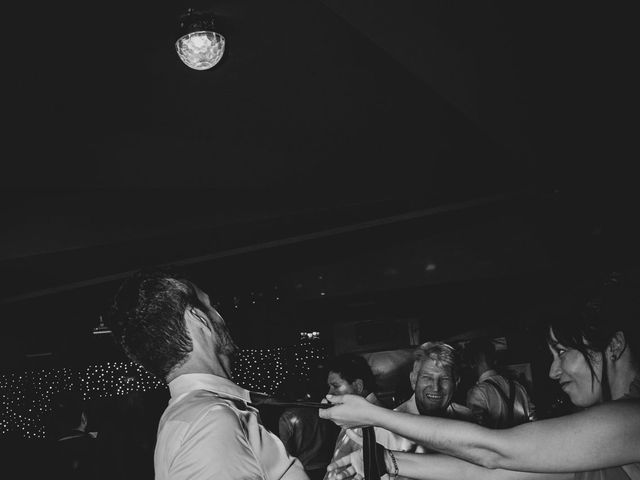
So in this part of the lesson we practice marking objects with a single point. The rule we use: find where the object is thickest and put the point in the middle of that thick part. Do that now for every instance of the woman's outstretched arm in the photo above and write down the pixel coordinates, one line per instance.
(427, 466)
(601, 436)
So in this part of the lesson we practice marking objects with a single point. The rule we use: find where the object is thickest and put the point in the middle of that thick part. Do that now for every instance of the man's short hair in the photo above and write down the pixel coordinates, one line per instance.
(352, 367)
(479, 348)
(439, 352)
(147, 319)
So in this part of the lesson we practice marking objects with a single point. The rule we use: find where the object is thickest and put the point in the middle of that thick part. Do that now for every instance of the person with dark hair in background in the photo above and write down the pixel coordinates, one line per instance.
(495, 400)
(209, 429)
(596, 361)
(350, 374)
(74, 455)
(304, 434)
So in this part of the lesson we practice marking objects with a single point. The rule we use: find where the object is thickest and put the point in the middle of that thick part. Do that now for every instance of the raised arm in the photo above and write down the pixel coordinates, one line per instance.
(602, 436)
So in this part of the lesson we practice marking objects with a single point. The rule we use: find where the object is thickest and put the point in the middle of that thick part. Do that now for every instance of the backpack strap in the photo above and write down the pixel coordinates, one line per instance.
(509, 401)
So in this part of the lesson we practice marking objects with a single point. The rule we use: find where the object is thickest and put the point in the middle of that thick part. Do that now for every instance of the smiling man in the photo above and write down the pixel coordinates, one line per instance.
(434, 379)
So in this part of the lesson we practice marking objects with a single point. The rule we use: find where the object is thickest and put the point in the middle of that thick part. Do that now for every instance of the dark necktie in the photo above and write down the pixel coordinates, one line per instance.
(258, 398)
(370, 455)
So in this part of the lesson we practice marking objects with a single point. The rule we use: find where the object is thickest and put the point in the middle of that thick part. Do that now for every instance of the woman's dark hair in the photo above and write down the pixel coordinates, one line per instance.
(352, 367)
(147, 319)
(614, 308)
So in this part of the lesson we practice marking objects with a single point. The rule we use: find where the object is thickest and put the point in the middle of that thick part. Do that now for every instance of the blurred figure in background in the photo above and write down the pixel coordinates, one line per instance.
(305, 435)
(74, 454)
(495, 400)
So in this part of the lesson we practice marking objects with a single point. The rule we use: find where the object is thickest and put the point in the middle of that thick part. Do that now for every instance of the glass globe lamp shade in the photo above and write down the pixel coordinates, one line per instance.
(200, 50)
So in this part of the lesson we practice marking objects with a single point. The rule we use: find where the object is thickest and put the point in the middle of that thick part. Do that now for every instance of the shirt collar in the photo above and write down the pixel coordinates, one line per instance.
(224, 387)
(487, 374)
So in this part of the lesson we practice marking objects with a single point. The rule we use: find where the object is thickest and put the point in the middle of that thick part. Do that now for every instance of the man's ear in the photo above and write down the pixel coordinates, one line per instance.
(413, 377)
(359, 385)
(617, 346)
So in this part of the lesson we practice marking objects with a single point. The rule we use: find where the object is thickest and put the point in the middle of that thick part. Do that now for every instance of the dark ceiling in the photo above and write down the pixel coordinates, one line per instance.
(485, 137)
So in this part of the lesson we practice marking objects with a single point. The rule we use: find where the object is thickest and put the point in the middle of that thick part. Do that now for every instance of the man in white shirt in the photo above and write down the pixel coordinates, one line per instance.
(209, 429)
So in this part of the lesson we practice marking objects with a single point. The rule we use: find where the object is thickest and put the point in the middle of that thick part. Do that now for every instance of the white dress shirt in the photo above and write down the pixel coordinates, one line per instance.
(208, 431)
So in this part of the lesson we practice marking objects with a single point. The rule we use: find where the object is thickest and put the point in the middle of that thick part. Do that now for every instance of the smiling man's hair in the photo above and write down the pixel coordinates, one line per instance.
(441, 353)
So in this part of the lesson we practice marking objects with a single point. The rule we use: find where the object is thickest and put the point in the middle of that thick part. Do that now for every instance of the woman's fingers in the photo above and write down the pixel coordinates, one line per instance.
(335, 399)
(346, 410)
(355, 435)
(347, 467)
(345, 474)
(339, 463)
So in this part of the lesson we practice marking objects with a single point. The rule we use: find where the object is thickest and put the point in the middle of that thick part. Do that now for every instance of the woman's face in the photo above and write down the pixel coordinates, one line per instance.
(571, 370)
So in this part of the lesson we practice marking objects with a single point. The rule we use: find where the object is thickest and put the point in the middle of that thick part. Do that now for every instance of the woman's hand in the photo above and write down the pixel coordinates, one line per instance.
(349, 467)
(349, 411)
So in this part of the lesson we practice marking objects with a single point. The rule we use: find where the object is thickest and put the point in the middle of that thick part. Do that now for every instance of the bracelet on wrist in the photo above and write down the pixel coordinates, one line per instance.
(393, 474)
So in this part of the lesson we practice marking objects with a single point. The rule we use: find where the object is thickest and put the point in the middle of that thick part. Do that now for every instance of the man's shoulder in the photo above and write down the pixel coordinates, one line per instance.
(479, 392)
(198, 403)
(494, 382)
(501, 382)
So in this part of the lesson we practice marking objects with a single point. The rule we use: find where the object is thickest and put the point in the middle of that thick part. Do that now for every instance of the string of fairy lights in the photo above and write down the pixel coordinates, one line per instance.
(26, 397)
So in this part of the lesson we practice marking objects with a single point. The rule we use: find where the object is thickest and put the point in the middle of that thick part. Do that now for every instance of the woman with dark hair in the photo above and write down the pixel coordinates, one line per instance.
(595, 361)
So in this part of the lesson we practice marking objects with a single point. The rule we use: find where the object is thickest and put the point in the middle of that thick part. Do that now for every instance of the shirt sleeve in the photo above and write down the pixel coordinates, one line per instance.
(216, 447)
(285, 431)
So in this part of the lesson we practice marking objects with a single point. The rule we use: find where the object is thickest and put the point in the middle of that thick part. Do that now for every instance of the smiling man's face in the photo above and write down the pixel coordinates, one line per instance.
(434, 387)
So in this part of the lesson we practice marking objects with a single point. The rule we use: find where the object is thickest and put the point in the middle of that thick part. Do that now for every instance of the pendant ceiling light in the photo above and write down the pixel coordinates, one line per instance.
(199, 47)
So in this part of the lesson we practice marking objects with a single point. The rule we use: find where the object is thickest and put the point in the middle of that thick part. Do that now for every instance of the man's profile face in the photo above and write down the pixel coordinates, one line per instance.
(434, 387)
(339, 386)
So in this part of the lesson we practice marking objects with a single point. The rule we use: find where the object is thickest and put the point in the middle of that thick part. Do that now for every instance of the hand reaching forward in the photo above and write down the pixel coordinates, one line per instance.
(349, 411)
(349, 467)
